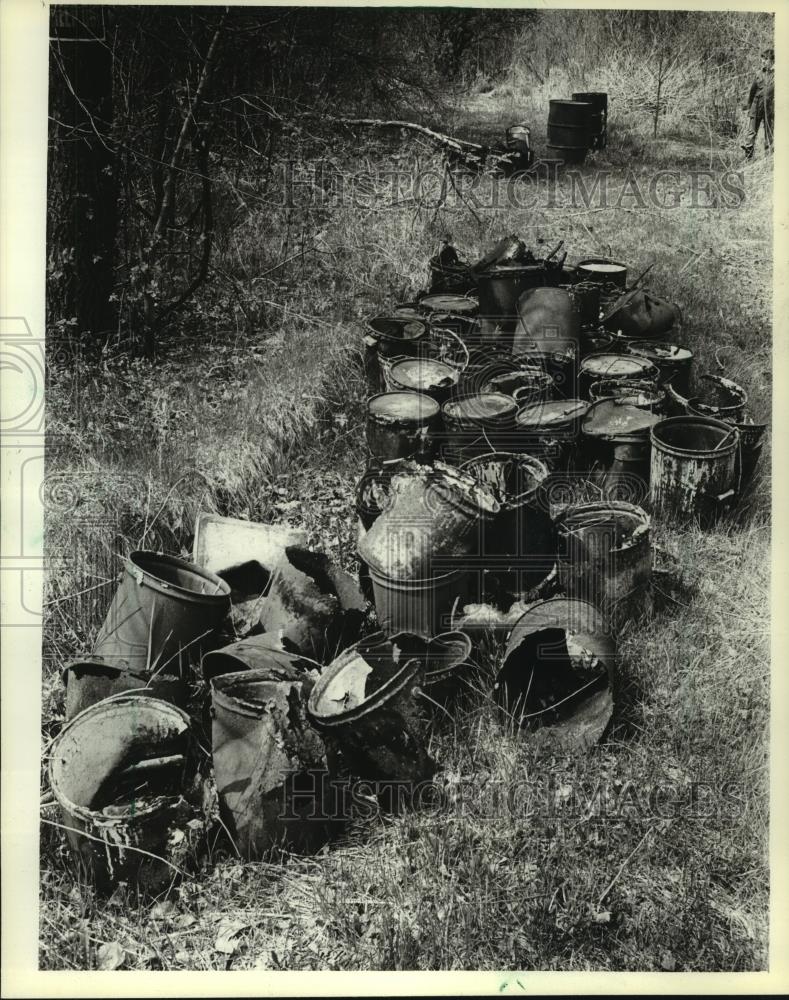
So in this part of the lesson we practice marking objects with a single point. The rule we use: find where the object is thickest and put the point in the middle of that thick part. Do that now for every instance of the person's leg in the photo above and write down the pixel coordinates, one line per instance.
(769, 123)
(750, 138)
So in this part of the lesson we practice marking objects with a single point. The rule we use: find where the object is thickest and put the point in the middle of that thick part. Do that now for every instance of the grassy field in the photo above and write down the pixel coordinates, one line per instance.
(257, 411)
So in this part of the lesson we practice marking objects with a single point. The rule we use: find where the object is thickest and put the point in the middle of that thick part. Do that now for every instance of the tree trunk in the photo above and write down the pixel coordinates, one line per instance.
(82, 192)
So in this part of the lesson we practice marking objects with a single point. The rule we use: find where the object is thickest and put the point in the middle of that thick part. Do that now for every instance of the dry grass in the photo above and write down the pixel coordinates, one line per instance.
(248, 416)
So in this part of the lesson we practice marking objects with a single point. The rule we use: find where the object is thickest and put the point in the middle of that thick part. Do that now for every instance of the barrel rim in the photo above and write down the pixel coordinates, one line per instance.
(584, 405)
(632, 436)
(502, 417)
(403, 320)
(594, 614)
(427, 401)
(720, 425)
(376, 700)
(140, 557)
(247, 708)
(523, 459)
(639, 515)
(85, 813)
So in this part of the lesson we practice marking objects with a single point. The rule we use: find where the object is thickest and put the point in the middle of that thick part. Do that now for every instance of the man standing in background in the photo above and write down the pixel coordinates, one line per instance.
(761, 105)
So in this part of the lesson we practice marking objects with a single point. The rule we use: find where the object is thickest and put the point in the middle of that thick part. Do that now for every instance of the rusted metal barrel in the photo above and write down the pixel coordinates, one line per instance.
(605, 556)
(518, 139)
(432, 512)
(595, 340)
(449, 274)
(90, 679)
(550, 430)
(693, 466)
(595, 367)
(444, 659)
(477, 424)
(526, 384)
(569, 130)
(269, 762)
(400, 424)
(673, 362)
(387, 337)
(502, 285)
(721, 399)
(598, 117)
(445, 302)
(603, 270)
(547, 321)
(162, 612)
(119, 771)
(257, 652)
(369, 715)
(424, 605)
(749, 450)
(615, 448)
(585, 296)
(372, 493)
(522, 531)
(560, 364)
(557, 666)
(425, 375)
(645, 394)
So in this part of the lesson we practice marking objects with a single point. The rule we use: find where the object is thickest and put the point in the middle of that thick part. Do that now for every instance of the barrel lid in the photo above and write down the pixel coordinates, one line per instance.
(481, 406)
(569, 103)
(602, 265)
(613, 418)
(423, 374)
(403, 405)
(616, 365)
(554, 413)
(444, 302)
(397, 327)
(662, 351)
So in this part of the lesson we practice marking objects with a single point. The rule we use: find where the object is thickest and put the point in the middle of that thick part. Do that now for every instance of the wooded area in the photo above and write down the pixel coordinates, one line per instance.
(157, 113)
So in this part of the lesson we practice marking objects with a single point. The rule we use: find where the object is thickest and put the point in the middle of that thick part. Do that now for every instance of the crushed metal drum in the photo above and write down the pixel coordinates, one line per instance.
(556, 673)
(605, 556)
(368, 712)
(433, 511)
(257, 652)
(269, 762)
(313, 604)
(122, 772)
(401, 424)
(445, 659)
(693, 467)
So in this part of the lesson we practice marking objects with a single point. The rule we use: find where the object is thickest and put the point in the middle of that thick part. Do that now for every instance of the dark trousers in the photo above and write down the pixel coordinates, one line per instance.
(761, 113)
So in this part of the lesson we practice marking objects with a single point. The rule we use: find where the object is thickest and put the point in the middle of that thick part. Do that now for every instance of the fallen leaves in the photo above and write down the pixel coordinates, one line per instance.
(110, 956)
(227, 935)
